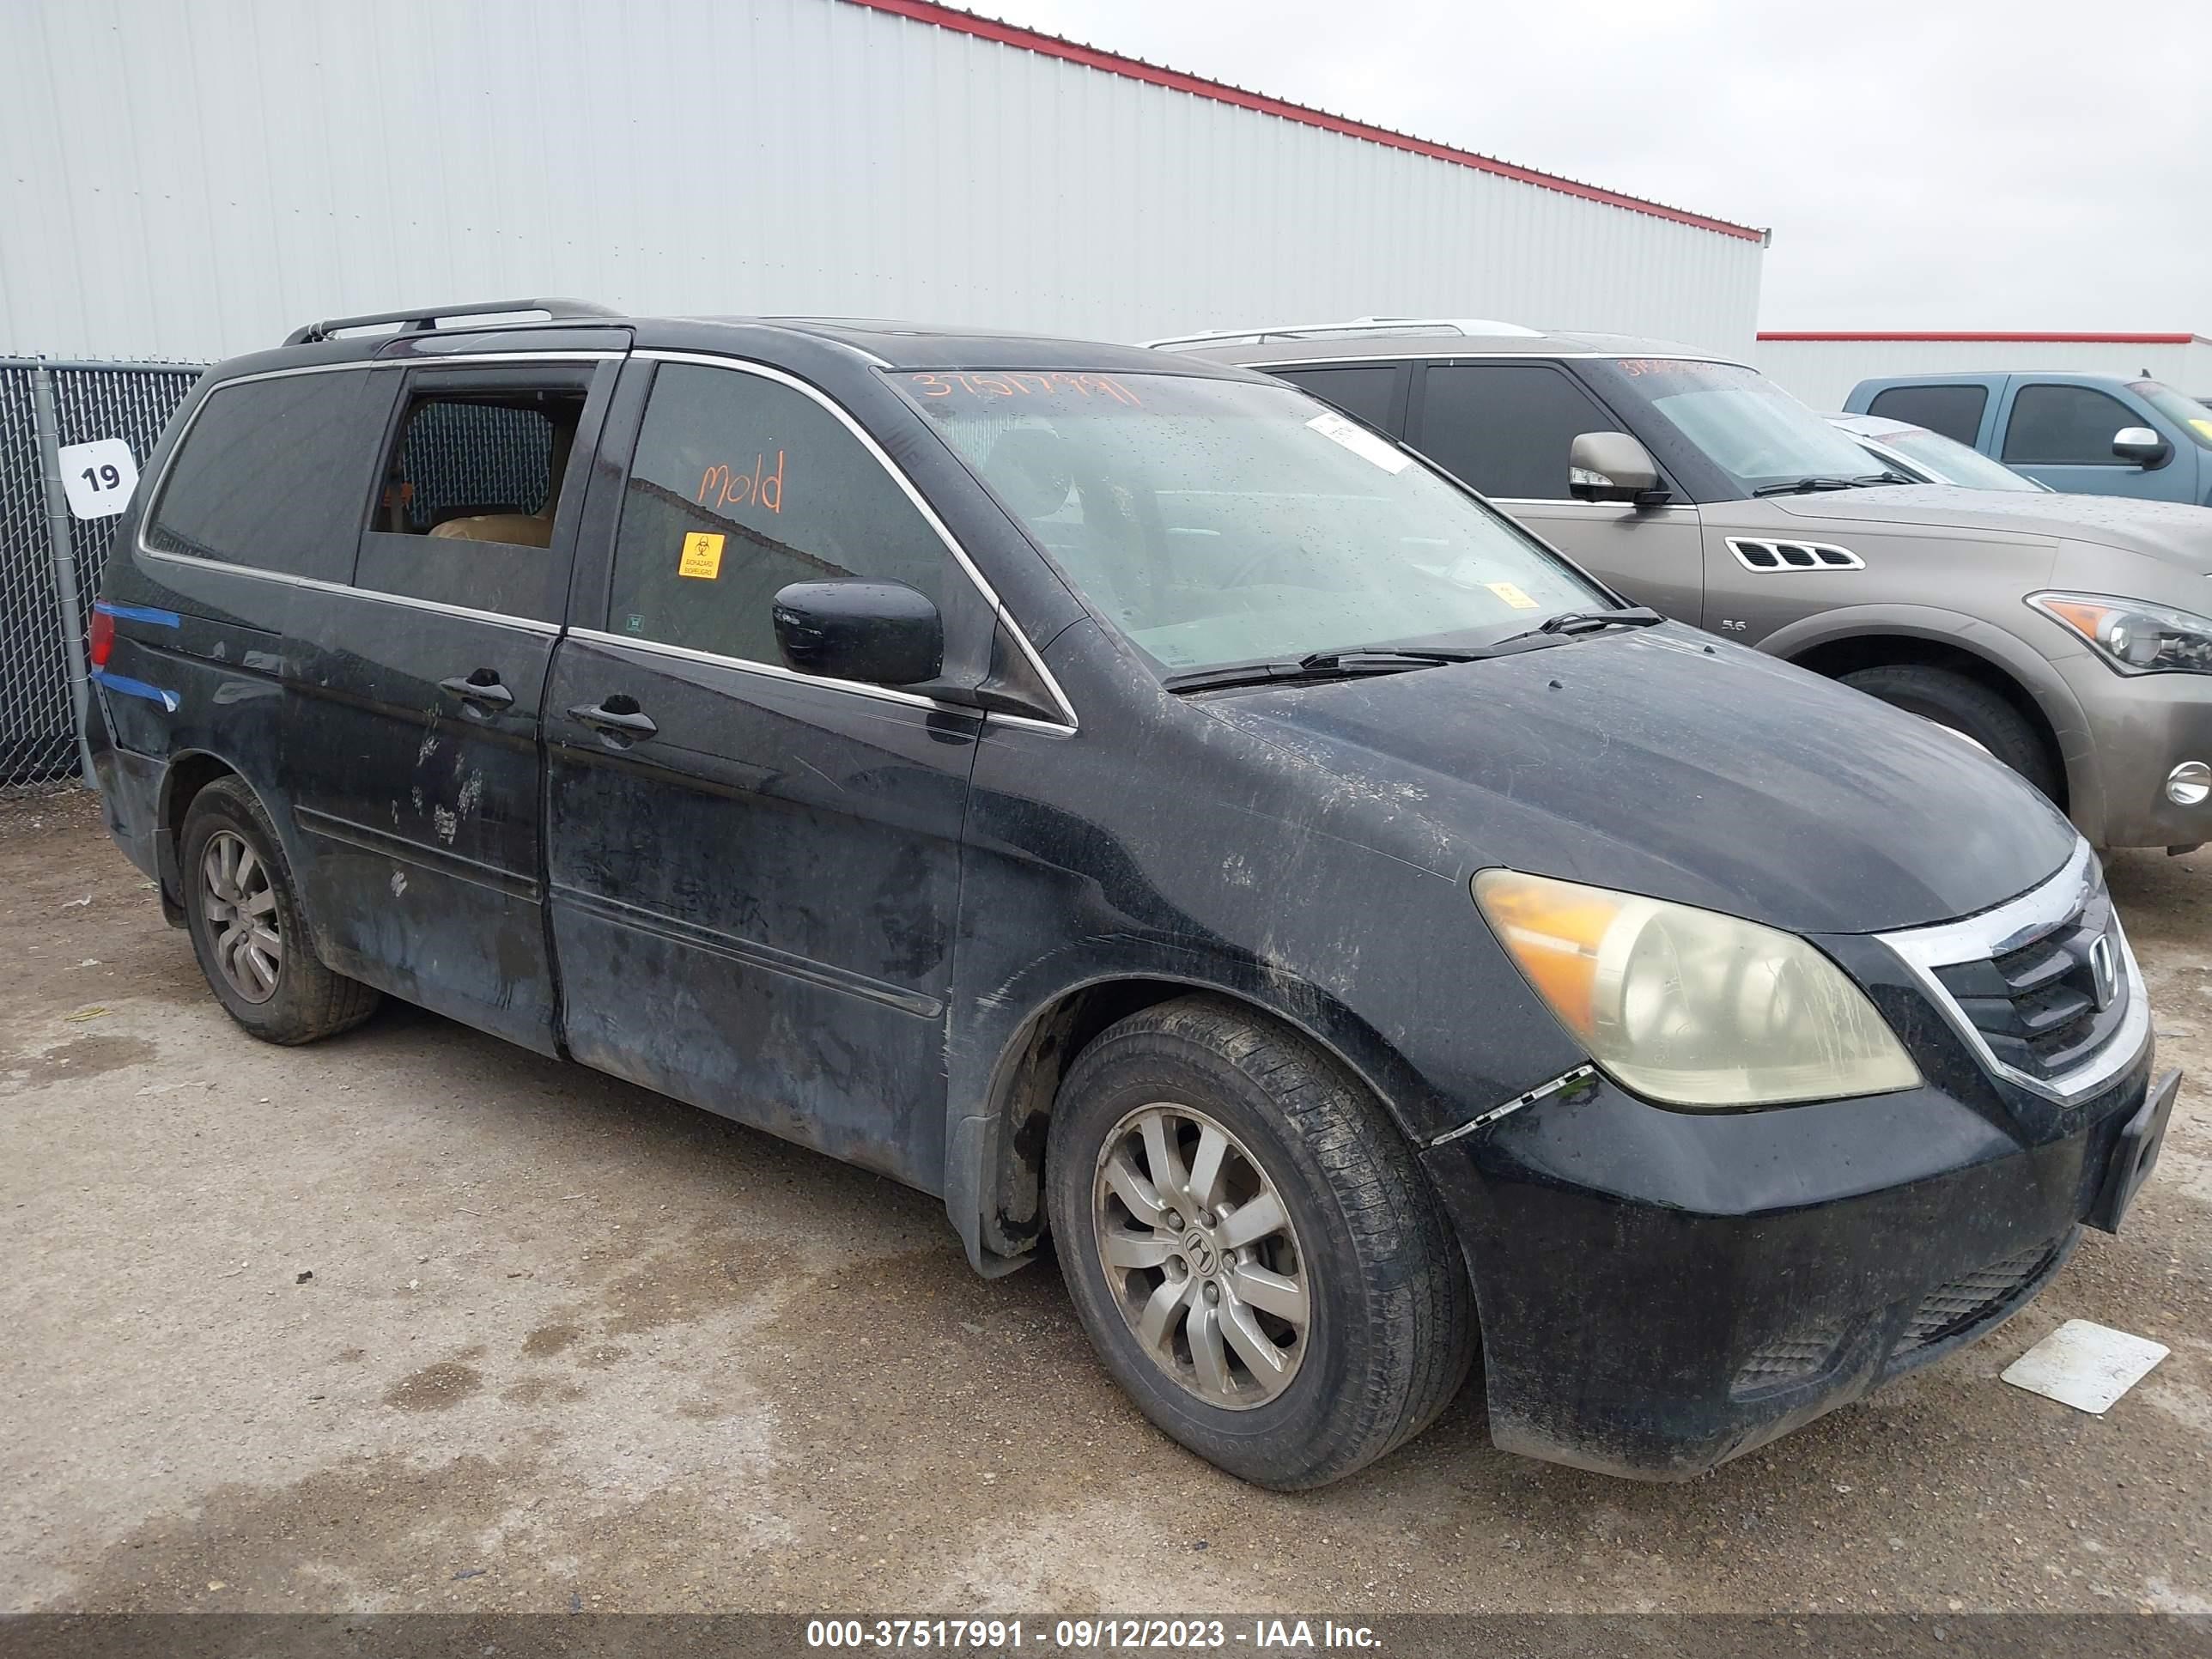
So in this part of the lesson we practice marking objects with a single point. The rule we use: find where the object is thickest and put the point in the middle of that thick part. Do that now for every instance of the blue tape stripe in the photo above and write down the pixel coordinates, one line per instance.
(144, 613)
(130, 688)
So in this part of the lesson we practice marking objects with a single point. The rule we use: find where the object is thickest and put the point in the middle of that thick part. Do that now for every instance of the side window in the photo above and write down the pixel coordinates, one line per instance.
(741, 486)
(271, 475)
(2065, 426)
(1367, 391)
(1954, 410)
(463, 512)
(1506, 428)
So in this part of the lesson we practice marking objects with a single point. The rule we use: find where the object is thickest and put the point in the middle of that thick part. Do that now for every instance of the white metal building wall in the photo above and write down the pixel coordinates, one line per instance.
(192, 180)
(1823, 371)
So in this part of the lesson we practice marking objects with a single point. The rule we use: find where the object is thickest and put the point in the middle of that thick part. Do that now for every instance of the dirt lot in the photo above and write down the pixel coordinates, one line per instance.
(567, 1344)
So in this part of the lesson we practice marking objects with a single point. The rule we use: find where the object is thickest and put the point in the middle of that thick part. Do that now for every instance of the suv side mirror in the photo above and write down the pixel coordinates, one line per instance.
(877, 633)
(2141, 446)
(1610, 466)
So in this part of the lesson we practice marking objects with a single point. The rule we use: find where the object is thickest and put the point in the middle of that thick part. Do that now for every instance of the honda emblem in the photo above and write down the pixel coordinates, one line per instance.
(2104, 972)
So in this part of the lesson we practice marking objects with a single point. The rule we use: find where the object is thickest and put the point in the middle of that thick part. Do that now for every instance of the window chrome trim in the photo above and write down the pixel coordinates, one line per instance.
(837, 412)
(774, 670)
(285, 579)
(503, 618)
(995, 605)
(2007, 928)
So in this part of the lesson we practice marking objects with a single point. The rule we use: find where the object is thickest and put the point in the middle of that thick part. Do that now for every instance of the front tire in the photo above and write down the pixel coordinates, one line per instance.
(1968, 708)
(1252, 1247)
(243, 914)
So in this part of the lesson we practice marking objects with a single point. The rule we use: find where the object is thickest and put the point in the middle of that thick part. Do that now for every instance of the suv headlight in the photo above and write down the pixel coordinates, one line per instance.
(2135, 638)
(1688, 1006)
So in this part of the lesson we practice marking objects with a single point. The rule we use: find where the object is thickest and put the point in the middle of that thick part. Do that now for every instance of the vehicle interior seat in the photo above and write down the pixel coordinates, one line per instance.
(523, 529)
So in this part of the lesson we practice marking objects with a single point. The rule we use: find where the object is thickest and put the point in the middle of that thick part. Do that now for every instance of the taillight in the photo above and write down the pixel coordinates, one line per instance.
(103, 637)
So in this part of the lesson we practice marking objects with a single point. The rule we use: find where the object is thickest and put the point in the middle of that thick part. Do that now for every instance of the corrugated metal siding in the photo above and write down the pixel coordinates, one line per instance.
(191, 181)
(1823, 371)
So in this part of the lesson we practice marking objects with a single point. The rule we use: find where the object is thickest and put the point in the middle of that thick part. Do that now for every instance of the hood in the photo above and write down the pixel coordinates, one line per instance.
(1663, 762)
(2171, 530)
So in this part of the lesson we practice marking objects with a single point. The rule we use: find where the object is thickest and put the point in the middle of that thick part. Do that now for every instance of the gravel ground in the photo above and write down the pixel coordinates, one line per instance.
(568, 1345)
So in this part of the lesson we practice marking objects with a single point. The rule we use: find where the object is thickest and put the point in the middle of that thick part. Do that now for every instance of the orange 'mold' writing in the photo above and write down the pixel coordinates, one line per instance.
(762, 486)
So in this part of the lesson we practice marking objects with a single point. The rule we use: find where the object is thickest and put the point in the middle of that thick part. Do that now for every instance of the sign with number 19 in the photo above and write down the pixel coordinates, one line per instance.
(99, 477)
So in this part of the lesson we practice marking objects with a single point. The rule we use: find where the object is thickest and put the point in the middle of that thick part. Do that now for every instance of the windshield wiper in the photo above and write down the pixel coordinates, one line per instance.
(1322, 666)
(1805, 486)
(1588, 622)
(1360, 661)
(1386, 658)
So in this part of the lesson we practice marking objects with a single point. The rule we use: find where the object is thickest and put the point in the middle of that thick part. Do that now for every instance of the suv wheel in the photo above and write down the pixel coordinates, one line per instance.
(243, 919)
(1251, 1245)
(1967, 708)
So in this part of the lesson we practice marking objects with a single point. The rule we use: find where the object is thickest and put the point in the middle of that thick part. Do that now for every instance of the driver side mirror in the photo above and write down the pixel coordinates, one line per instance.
(876, 632)
(2141, 446)
(1611, 466)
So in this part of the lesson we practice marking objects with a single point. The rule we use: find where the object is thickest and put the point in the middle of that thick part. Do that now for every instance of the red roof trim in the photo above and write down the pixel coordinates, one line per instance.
(2005, 339)
(1135, 69)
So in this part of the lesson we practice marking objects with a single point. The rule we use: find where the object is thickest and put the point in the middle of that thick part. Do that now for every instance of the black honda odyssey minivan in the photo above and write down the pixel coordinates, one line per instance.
(1133, 801)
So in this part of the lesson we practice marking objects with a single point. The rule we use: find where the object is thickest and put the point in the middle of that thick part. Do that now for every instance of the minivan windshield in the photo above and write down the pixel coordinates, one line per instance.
(1221, 522)
(1743, 424)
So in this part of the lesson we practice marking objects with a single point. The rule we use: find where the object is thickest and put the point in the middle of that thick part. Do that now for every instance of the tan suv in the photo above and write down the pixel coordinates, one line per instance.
(2067, 635)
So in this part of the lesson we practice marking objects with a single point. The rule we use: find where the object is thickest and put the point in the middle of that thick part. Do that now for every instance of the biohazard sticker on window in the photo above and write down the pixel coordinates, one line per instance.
(703, 555)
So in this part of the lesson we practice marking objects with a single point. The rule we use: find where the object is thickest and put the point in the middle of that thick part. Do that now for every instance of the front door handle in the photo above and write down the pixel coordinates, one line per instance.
(480, 691)
(617, 719)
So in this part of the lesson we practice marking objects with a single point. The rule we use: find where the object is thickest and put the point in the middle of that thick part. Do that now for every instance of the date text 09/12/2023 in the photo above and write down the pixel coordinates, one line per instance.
(1080, 1635)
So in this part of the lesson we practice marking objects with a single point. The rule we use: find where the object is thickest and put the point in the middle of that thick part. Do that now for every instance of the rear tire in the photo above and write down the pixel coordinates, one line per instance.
(1288, 1354)
(243, 914)
(1968, 708)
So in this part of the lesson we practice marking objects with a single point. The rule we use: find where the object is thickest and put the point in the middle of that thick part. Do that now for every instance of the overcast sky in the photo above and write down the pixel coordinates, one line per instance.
(1952, 164)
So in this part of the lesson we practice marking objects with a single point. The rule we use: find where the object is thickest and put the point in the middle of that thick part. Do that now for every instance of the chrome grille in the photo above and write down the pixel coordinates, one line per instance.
(2036, 1004)
(2023, 983)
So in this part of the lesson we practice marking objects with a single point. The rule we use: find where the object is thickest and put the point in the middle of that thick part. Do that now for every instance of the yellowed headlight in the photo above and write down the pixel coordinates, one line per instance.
(1690, 1006)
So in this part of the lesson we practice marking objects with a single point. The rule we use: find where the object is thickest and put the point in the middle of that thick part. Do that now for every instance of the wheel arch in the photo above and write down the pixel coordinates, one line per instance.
(995, 1156)
(186, 775)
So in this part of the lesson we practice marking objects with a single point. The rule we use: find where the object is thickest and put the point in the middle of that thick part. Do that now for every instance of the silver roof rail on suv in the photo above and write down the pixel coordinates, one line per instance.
(1379, 327)
(419, 321)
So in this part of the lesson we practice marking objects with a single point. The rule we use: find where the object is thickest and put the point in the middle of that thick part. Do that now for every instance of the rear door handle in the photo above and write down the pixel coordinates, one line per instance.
(479, 691)
(617, 718)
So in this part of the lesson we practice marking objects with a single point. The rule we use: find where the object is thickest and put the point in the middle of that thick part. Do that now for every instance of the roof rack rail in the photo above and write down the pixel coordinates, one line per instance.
(1471, 326)
(423, 320)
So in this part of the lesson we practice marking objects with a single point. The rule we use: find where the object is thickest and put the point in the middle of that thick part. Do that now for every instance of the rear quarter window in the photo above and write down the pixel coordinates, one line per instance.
(272, 475)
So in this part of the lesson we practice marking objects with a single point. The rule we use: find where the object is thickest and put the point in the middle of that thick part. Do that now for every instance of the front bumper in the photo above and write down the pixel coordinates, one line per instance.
(1660, 1291)
(2142, 726)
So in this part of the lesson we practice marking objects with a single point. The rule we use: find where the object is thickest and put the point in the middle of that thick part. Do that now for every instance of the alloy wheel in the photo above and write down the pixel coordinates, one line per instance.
(1201, 1256)
(240, 908)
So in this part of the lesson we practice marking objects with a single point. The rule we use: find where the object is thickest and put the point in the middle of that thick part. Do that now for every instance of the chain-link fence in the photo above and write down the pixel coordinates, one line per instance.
(50, 563)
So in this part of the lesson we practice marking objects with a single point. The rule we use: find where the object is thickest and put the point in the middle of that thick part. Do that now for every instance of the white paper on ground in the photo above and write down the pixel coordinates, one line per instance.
(2087, 1366)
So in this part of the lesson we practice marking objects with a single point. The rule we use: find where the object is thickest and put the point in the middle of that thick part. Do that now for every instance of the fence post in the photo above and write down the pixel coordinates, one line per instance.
(48, 426)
